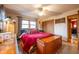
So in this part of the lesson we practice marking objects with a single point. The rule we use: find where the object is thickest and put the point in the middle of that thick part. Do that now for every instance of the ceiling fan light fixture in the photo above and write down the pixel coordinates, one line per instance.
(41, 13)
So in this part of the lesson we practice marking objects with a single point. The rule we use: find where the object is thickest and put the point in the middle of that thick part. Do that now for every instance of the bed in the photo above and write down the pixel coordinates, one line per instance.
(29, 40)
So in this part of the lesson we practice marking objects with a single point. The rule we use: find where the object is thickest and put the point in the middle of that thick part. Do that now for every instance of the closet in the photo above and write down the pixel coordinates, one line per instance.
(48, 26)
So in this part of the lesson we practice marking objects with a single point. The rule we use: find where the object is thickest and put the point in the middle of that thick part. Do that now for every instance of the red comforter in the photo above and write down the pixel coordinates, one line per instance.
(30, 39)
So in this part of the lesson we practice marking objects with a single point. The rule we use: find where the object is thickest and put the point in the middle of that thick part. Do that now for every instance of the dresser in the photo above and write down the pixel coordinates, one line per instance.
(49, 45)
(8, 46)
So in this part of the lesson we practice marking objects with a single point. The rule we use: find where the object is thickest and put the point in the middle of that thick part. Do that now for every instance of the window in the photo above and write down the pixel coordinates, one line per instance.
(32, 24)
(25, 24)
(28, 24)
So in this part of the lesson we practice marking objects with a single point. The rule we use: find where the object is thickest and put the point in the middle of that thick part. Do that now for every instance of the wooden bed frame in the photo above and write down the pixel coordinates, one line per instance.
(57, 40)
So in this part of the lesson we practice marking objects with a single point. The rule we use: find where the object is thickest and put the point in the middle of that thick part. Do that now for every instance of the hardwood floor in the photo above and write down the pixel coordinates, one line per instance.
(68, 48)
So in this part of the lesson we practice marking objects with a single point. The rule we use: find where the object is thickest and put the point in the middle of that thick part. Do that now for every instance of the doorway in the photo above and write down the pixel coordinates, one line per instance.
(72, 28)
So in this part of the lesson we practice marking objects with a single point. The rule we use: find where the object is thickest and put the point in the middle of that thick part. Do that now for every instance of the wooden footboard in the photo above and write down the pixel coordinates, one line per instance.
(49, 45)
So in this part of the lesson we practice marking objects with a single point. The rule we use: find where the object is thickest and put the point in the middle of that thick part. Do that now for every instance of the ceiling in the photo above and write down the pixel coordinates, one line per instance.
(38, 10)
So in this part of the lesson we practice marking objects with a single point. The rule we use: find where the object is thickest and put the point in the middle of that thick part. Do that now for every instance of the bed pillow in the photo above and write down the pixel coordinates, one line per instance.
(33, 31)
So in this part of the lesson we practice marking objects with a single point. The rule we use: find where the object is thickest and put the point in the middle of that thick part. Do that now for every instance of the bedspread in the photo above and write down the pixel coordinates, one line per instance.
(30, 39)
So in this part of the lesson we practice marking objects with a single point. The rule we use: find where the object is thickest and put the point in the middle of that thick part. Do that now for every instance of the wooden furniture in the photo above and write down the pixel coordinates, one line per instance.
(49, 45)
(8, 46)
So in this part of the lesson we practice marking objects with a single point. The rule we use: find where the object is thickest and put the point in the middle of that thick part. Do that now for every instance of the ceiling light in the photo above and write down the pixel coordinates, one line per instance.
(40, 10)
(75, 26)
(41, 13)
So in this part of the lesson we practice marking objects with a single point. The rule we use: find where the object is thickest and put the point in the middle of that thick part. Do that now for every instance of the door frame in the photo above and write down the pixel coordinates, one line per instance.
(69, 18)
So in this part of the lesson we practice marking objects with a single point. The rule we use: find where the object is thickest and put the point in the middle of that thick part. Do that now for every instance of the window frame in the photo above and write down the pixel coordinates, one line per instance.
(29, 24)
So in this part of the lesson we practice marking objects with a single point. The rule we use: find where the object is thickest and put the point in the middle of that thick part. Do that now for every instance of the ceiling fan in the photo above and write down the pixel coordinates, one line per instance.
(41, 9)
